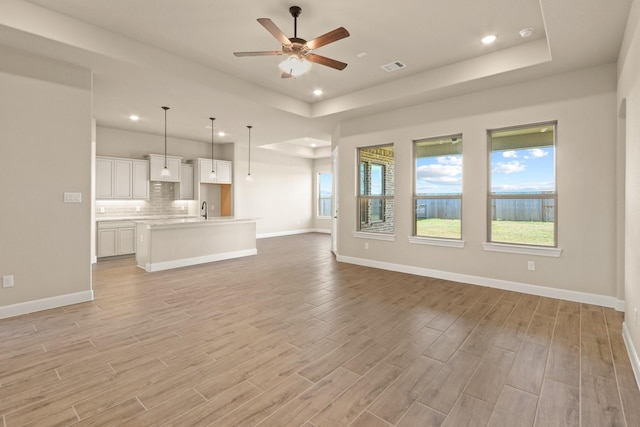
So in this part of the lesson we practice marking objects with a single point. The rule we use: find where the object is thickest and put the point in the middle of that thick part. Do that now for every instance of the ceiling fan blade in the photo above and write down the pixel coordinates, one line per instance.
(330, 37)
(274, 30)
(323, 60)
(260, 53)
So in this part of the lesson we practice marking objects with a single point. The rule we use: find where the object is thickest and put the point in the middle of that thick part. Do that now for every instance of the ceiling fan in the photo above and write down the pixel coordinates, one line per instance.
(299, 50)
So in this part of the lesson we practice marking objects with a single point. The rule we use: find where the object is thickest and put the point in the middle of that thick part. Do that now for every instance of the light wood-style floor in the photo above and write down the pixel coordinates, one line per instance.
(291, 337)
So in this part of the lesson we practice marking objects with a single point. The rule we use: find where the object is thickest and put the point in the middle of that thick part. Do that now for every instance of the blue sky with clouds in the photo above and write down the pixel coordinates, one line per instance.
(523, 171)
(528, 170)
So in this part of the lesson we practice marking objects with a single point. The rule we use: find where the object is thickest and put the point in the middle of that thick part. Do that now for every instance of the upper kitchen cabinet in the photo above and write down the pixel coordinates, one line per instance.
(140, 187)
(221, 167)
(157, 162)
(118, 178)
(185, 191)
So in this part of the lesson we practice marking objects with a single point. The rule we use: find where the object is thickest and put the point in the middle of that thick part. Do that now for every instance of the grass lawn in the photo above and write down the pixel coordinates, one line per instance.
(435, 227)
(532, 233)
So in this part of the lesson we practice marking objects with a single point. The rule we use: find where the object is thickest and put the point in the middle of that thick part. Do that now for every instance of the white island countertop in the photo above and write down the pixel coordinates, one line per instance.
(172, 242)
(191, 221)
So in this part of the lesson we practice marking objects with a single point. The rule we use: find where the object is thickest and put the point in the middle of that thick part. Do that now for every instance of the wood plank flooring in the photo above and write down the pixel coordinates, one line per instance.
(291, 337)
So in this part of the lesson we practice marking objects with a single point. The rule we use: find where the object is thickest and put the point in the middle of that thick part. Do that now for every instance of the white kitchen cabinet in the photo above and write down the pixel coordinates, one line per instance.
(116, 238)
(222, 168)
(223, 172)
(140, 184)
(122, 174)
(157, 162)
(104, 178)
(118, 178)
(185, 191)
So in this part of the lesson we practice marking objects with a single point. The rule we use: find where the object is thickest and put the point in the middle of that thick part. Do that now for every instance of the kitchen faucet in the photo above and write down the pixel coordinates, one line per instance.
(204, 206)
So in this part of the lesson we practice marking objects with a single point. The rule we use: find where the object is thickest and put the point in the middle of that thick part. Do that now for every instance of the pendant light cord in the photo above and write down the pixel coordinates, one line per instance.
(165, 136)
(212, 119)
(249, 127)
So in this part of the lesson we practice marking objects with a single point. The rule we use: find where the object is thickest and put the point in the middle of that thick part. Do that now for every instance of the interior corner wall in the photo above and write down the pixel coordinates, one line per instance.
(629, 95)
(45, 151)
(323, 165)
(583, 103)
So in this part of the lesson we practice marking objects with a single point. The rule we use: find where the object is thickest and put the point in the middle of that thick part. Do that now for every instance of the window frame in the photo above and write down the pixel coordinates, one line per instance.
(363, 182)
(501, 246)
(434, 196)
(320, 198)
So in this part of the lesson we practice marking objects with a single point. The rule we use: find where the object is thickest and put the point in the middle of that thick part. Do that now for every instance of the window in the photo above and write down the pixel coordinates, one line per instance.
(438, 187)
(324, 194)
(522, 205)
(375, 192)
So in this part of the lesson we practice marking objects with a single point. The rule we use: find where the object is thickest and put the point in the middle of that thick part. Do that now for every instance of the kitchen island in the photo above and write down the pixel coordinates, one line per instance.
(173, 243)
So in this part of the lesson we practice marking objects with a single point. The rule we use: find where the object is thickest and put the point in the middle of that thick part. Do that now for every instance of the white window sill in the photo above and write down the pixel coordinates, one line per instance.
(525, 250)
(434, 241)
(374, 236)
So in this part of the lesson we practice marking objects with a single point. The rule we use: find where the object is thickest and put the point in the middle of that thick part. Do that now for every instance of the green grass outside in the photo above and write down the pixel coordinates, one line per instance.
(524, 232)
(435, 227)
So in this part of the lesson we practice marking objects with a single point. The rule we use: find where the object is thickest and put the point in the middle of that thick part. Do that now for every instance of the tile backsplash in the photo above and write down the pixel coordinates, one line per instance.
(161, 203)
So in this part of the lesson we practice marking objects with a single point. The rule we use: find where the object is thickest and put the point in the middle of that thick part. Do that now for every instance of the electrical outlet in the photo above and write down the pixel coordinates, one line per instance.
(531, 265)
(7, 281)
(366, 245)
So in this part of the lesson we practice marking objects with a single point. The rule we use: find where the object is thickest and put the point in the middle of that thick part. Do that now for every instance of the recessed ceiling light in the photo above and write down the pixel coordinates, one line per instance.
(313, 145)
(361, 54)
(221, 134)
(489, 39)
(317, 92)
(134, 118)
(526, 32)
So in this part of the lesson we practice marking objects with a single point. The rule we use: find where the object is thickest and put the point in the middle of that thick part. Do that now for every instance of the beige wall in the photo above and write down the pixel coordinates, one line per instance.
(45, 150)
(136, 145)
(582, 102)
(280, 195)
(629, 106)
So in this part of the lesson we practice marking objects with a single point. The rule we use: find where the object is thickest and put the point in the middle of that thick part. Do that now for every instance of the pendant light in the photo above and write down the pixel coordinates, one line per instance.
(249, 177)
(165, 172)
(212, 175)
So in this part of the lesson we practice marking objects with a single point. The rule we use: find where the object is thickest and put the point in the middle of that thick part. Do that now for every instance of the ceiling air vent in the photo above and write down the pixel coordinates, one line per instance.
(393, 66)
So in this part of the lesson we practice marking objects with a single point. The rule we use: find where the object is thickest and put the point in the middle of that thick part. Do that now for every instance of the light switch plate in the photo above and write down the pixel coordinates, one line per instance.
(7, 281)
(72, 197)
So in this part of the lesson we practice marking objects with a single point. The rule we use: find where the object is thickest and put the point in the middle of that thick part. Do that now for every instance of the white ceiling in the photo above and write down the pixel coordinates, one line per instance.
(149, 53)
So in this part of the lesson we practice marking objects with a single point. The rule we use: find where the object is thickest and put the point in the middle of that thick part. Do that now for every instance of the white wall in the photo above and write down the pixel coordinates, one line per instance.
(45, 150)
(280, 195)
(136, 145)
(629, 103)
(583, 103)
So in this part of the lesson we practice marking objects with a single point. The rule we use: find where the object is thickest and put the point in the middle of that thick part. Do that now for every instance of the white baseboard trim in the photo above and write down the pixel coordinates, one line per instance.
(44, 304)
(284, 233)
(631, 351)
(577, 296)
(185, 262)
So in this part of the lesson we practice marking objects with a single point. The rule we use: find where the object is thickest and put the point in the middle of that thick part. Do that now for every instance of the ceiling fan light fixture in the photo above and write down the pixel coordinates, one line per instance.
(294, 65)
